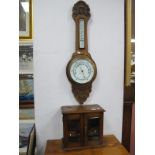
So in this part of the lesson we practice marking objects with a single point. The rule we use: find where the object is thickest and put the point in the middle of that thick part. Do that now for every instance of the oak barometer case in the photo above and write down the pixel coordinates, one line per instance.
(81, 69)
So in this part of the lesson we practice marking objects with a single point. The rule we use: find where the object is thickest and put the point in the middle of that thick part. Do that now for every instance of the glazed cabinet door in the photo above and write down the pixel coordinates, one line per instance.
(73, 133)
(93, 128)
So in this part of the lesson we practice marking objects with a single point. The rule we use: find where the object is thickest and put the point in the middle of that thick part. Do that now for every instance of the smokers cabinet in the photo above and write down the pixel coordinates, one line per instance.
(82, 126)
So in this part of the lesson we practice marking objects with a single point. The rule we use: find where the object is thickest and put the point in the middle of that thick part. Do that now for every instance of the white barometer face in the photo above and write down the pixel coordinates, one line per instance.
(82, 71)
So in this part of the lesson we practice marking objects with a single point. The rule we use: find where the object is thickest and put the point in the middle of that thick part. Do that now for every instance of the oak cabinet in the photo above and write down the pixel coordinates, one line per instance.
(82, 126)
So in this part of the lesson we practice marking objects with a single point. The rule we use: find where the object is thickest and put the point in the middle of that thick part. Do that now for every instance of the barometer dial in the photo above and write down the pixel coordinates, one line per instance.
(82, 71)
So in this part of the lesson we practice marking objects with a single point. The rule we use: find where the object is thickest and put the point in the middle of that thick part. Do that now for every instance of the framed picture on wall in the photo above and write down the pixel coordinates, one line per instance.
(26, 128)
(26, 113)
(26, 92)
(25, 19)
(129, 42)
(26, 59)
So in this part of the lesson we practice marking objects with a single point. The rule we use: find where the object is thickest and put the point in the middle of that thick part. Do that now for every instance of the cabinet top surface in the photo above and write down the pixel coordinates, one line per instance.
(82, 109)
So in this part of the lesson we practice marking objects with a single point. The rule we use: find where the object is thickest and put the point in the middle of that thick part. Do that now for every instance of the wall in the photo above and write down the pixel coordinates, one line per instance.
(54, 40)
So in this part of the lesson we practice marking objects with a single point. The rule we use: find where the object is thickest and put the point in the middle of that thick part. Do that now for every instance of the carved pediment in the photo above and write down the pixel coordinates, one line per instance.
(81, 8)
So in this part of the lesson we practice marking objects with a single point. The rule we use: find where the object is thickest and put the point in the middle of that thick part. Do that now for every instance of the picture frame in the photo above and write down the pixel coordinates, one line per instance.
(26, 113)
(26, 91)
(32, 142)
(26, 135)
(129, 42)
(26, 58)
(25, 19)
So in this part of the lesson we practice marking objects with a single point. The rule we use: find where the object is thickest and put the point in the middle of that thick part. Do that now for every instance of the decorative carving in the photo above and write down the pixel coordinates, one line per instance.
(81, 8)
(81, 93)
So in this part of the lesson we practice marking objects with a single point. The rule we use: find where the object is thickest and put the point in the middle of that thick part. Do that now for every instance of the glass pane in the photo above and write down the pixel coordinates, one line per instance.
(81, 35)
(74, 130)
(93, 128)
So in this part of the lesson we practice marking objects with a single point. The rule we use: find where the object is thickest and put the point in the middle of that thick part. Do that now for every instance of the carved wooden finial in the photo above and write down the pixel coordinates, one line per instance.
(81, 8)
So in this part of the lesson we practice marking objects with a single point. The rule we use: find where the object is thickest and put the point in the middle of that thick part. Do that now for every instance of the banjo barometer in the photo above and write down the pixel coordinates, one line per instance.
(81, 69)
